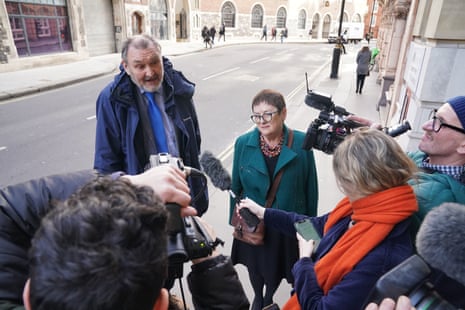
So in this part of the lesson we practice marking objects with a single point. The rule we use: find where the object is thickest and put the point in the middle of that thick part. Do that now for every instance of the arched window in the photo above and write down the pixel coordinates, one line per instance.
(345, 17)
(281, 18)
(137, 23)
(356, 18)
(257, 16)
(302, 19)
(228, 14)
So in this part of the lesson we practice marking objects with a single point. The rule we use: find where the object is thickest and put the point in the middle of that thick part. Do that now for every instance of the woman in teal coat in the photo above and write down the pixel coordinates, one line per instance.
(259, 155)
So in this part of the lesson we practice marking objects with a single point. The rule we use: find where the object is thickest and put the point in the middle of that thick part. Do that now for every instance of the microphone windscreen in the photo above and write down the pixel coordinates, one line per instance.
(212, 167)
(440, 240)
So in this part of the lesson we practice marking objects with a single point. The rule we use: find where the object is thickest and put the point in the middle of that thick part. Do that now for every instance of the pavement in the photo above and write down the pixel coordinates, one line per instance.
(341, 89)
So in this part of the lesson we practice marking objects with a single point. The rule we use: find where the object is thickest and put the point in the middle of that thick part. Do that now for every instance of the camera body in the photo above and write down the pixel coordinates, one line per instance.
(331, 127)
(188, 239)
(410, 278)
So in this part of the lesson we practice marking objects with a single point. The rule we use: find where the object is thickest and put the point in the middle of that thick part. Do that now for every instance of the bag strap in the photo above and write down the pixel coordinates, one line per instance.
(274, 187)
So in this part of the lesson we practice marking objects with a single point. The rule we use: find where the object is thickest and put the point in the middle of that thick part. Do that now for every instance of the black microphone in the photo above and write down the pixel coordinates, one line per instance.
(440, 246)
(440, 240)
(221, 179)
(216, 172)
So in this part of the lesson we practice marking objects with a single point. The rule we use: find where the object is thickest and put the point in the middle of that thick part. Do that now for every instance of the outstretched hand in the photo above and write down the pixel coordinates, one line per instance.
(364, 121)
(167, 182)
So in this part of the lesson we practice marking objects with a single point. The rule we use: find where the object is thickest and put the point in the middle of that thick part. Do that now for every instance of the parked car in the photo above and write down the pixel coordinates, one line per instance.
(332, 38)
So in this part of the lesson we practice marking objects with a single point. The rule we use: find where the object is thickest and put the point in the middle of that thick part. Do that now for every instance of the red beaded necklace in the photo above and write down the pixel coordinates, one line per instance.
(271, 151)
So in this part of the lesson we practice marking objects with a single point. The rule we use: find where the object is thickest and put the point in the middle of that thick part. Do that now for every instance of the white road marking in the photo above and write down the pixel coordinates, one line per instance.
(220, 73)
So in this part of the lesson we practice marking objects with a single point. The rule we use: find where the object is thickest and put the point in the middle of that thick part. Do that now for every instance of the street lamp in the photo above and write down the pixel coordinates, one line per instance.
(337, 48)
(371, 17)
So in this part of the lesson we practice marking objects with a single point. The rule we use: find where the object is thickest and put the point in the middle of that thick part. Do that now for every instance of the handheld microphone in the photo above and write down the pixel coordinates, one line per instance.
(440, 240)
(221, 179)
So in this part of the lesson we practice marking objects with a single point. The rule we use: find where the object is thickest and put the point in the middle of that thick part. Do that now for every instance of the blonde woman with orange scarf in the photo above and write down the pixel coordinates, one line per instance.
(365, 235)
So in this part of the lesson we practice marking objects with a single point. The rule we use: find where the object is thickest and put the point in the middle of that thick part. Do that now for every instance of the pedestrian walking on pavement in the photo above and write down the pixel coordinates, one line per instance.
(273, 34)
(264, 33)
(213, 33)
(206, 37)
(363, 64)
(283, 34)
(222, 33)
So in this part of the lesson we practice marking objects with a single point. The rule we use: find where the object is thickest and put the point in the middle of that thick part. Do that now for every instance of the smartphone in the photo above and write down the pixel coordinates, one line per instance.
(306, 229)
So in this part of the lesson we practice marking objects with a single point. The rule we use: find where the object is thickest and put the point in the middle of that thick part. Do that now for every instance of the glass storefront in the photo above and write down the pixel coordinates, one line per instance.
(39, 26)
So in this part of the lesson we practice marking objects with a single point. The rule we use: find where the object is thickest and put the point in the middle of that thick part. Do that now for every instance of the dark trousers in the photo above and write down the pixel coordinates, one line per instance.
(360, 82)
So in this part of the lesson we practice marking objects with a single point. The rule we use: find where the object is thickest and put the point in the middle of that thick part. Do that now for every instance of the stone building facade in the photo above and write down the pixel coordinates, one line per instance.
(422, 62)
(43, 32)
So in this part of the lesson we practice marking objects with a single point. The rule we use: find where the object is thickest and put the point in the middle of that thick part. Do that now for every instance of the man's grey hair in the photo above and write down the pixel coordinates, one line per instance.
(141, 41)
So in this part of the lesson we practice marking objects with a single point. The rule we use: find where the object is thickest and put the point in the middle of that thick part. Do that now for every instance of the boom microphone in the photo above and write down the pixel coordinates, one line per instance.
(221, 179)
(440, 240)
(215, 171)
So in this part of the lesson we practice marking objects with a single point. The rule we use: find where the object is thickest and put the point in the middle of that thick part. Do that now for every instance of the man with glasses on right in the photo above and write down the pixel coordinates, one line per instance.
(441, 157)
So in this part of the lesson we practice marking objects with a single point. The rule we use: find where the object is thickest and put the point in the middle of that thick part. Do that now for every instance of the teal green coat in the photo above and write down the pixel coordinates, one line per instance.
(298, 189)
(432, 189)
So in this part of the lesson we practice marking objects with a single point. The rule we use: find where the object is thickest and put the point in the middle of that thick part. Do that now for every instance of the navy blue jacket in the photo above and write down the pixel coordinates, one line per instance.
(119, 141)
(354, 288)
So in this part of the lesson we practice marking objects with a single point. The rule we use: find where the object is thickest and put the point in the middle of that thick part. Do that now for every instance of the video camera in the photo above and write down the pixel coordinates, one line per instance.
(410, 278)
(331, 127)
(187, 237)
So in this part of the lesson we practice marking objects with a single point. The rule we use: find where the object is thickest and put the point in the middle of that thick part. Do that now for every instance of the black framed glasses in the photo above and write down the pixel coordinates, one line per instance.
(266, 117)
(438, 124)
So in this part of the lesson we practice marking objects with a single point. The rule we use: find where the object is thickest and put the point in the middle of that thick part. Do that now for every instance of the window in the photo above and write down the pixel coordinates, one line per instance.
(159, 19)
(257, 17)
(302, 19)
(228, 14)
(42, 27)
(38, 26)
(16, 28)
(281, 18)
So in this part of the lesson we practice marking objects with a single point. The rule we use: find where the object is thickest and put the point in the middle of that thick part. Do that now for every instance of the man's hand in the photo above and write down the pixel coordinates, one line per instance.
(167, 182)
(364, 121)
(403, 303)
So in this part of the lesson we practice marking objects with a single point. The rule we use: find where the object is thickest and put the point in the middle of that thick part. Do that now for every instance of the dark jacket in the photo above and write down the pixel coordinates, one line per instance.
(119, 141)
(214, 283)
(355, 287)
(21, 208)
(209, 293)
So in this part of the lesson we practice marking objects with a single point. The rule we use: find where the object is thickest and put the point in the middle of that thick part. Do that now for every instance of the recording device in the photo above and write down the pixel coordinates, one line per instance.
(440, 245)
(331, 127)
(221, 179)
(187, 237)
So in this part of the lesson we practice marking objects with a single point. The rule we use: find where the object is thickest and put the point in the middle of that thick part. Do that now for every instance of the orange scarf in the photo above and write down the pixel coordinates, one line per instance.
(375, 217)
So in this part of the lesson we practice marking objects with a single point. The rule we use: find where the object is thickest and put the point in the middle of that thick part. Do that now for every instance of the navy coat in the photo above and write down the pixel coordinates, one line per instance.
(119, 141)
(351, 293)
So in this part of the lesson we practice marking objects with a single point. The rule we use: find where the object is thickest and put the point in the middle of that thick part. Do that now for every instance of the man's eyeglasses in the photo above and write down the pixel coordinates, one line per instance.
(438, 124)
(266, 117)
